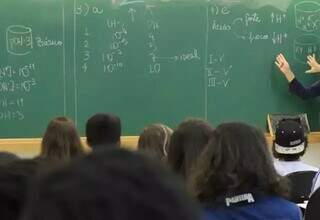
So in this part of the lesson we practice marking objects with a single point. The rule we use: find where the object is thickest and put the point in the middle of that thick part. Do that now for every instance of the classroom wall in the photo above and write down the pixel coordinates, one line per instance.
(312, 155)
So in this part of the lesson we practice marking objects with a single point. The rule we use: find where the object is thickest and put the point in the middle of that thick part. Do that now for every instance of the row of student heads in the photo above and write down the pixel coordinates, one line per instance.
(233, 156)
(61, 140)
(115, 184)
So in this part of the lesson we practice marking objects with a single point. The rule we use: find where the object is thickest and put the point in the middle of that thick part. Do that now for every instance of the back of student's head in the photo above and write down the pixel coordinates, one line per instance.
(7, 157)
(290, 141)
(61, 140)
(187, 142)
(154, 140)
(236, 160)
(14, 182)
(103, 129)
(114, 185)
(13, 189)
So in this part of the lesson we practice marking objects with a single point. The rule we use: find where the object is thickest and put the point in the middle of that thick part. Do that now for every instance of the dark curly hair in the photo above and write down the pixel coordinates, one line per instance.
(236, 160)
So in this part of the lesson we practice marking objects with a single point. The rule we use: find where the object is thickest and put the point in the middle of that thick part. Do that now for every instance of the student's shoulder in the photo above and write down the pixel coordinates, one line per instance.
(270, 207)
(212, 214)
(281, 205)
(280, 166)
(278, 200)
(308, 167)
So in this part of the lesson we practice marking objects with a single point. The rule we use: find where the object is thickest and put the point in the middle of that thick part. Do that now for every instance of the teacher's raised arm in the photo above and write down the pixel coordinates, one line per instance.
(294, 85)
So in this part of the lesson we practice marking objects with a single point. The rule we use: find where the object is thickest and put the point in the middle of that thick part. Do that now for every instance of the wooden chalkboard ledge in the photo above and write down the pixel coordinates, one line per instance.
(30, 147)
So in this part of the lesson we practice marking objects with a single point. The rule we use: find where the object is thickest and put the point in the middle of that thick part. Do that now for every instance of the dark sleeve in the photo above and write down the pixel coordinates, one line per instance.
(304, 92)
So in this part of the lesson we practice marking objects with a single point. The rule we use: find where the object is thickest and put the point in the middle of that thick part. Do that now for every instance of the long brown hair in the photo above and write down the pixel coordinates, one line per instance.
(61, 140)
(236, 160)
(187, 143)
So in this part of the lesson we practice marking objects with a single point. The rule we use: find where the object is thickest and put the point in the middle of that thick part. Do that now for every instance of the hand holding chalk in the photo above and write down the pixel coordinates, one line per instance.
(314, 65)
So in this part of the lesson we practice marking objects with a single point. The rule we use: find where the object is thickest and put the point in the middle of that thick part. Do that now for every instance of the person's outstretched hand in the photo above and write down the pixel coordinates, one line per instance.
(284, 67)
(314, 65)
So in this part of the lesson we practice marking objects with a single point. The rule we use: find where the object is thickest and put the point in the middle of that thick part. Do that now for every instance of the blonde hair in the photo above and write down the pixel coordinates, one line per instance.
(155, 140)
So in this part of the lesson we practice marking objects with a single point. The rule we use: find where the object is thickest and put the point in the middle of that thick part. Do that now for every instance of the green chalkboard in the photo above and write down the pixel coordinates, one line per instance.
(32, 75)
(152, 61)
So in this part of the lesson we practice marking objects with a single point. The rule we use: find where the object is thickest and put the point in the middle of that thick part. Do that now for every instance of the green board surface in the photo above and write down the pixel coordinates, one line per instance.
(152, 61)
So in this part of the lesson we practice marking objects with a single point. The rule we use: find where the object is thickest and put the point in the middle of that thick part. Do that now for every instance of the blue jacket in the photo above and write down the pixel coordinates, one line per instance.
(304, 92)
(267, 208)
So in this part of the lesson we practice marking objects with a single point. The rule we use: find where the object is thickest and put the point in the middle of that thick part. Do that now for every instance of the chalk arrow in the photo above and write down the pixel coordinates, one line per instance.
(132, 12)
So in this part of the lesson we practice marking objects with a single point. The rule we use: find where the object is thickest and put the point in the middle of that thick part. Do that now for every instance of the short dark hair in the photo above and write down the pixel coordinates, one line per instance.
(112, 184)
(236, 160)
(103, 129)
(7, 157)
(14, 182)
(187, 142)
(289, 157)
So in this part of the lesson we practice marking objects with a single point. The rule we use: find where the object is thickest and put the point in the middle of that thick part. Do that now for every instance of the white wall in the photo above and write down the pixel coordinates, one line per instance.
(312, 155)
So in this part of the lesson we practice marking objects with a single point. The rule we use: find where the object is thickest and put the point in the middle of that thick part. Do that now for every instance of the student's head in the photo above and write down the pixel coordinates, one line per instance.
(14, 182)
(61, 140)
(103, 129)
(236, 160)
(187, 142)
(155, 140)
(290, 141)
(6, 157)
(114, 185)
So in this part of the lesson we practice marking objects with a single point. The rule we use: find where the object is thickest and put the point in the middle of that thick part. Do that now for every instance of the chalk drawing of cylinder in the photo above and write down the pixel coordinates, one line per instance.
(19, 40)
(305, 45)
(307, 16)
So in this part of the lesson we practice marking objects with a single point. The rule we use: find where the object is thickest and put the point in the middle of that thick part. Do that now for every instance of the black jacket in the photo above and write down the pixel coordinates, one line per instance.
(304, 92)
